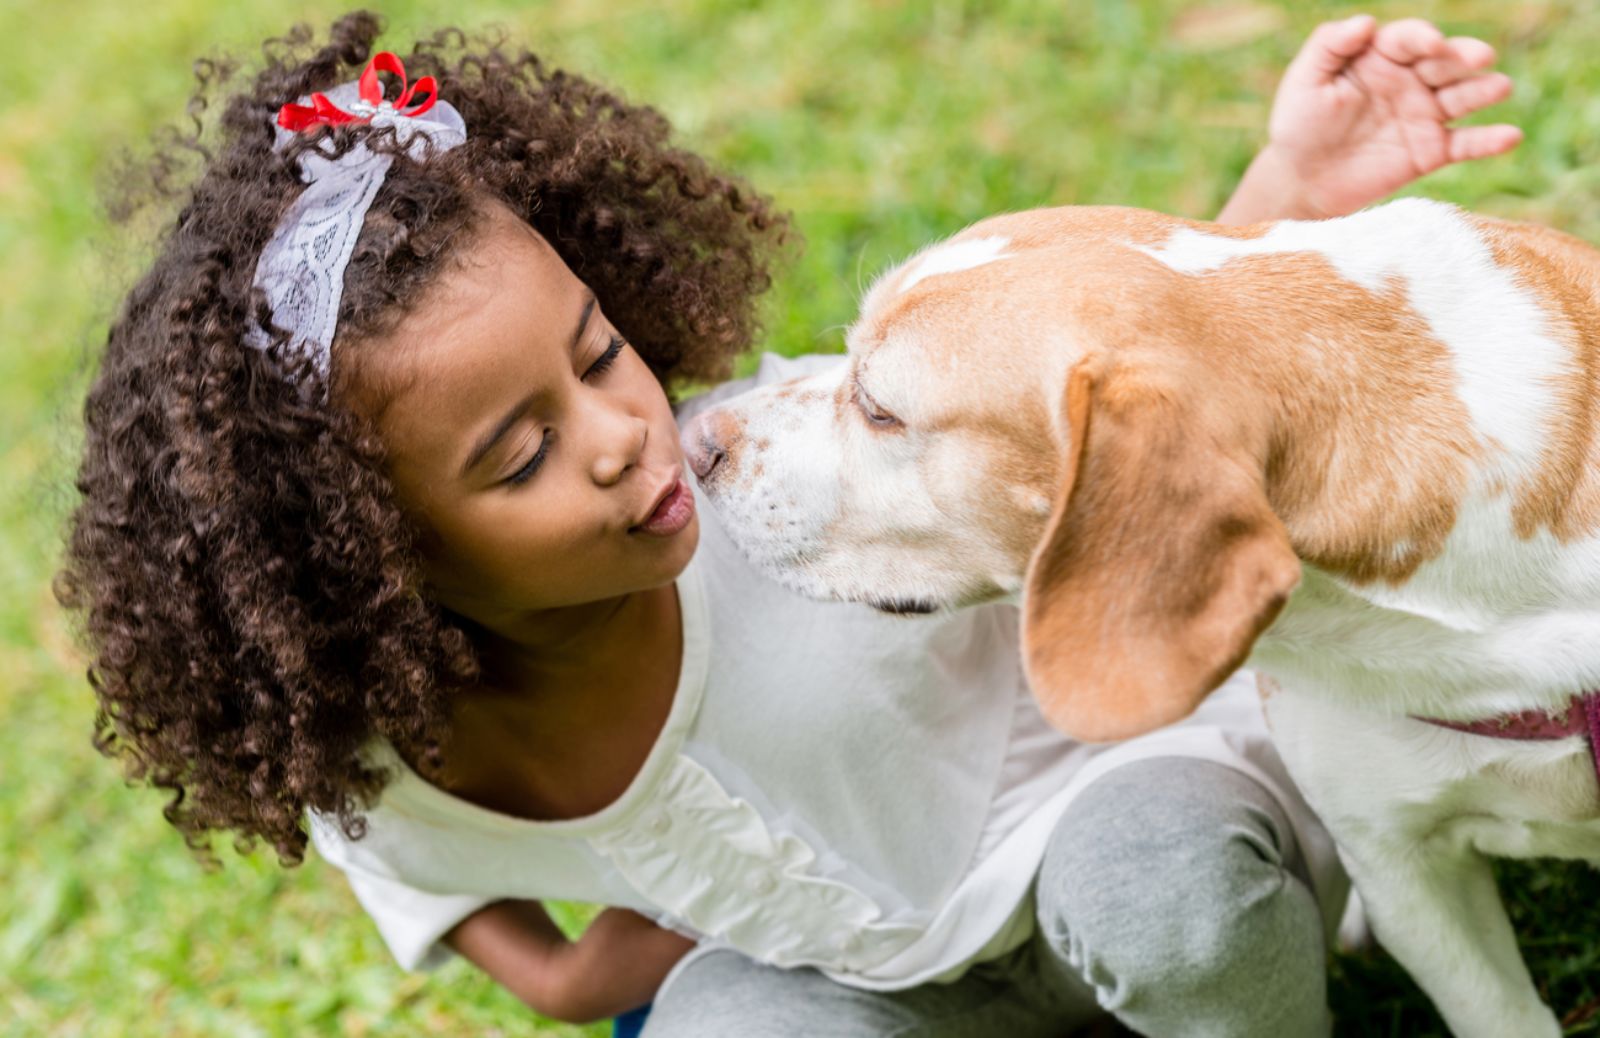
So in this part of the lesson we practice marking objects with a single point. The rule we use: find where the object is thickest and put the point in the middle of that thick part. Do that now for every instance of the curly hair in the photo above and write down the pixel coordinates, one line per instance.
(245, 580)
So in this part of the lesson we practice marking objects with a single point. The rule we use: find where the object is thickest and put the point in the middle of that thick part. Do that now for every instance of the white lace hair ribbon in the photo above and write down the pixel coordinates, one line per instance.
(301, 269)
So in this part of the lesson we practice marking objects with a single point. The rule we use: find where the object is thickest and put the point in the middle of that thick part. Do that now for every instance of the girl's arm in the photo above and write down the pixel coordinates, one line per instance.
(616, 965)
(1362, 111)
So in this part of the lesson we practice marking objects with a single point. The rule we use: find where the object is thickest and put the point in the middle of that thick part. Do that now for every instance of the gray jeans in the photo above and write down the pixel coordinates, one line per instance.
(1172, 896)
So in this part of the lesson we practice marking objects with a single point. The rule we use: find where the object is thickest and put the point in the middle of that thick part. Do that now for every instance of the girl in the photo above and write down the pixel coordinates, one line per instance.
(384, 523)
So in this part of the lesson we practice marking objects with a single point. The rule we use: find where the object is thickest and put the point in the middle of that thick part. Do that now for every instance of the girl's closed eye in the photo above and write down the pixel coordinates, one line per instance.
(605, 360)
(526, 472)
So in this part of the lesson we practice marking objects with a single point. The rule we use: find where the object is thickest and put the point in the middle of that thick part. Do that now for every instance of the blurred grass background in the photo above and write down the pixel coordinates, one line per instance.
(881, 125)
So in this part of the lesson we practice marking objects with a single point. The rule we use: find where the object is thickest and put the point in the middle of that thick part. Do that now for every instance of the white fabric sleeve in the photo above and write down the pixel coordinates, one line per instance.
(411, 921)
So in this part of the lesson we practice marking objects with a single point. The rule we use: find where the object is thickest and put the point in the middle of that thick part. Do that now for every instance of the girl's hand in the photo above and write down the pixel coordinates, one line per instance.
(1362, 111)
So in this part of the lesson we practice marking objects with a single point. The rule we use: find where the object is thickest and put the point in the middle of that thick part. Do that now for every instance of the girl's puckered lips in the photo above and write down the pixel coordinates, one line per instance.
(672, 512)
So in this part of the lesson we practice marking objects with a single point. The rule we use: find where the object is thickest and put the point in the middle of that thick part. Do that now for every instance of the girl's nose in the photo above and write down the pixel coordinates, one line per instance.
(624, 443)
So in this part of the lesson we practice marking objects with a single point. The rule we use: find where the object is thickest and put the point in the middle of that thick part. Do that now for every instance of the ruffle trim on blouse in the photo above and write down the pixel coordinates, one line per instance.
(709, 860)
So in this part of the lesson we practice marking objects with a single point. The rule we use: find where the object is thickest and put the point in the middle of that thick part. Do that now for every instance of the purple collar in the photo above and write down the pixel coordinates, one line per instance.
(1582, 717)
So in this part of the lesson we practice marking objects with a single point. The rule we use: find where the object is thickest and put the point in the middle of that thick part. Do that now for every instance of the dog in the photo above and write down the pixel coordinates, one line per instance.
(1361, 453)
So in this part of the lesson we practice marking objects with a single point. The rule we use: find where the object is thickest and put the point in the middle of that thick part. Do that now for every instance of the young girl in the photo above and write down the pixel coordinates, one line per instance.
(385, 523)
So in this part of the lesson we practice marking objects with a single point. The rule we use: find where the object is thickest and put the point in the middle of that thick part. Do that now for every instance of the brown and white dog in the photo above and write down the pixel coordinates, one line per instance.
(1363, 453)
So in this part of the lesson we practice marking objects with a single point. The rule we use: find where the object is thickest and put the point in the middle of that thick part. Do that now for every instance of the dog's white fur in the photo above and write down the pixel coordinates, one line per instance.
(956, 492)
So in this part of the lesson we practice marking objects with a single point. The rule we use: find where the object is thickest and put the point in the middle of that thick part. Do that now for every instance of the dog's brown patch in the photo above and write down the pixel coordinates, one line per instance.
(1563, 273)
(1369, 455)
(1018, 451)
(1341, 396)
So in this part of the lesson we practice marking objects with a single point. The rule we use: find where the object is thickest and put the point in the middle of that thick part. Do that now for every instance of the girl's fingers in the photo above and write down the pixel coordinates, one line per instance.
(1455, 60)
(1472, 52)
(1480, 142)
(1441, 71)
(1470, 95)
(1332, 45)
(1409, 40)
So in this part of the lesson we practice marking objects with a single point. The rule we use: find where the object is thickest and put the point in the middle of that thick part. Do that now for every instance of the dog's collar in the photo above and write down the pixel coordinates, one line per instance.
(1582, 717)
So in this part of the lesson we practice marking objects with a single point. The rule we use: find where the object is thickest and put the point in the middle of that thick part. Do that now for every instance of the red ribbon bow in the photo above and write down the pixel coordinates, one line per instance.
(323, 112)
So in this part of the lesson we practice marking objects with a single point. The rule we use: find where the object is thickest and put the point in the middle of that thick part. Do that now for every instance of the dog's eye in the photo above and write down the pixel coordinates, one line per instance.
(869, 407)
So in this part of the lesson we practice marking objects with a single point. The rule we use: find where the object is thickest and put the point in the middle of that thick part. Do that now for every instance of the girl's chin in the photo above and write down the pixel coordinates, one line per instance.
(665, 553)
(678, 549)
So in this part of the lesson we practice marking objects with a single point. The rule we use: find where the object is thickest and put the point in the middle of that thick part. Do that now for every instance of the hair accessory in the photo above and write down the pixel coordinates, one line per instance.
(324, 112)
(301, 269)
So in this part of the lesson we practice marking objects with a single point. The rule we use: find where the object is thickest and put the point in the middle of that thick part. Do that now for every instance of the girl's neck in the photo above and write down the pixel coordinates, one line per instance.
(566, 714)
(576, 651)
(578, 645)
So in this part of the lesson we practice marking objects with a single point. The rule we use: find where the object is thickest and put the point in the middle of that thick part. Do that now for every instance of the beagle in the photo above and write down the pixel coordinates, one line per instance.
(1362, 453)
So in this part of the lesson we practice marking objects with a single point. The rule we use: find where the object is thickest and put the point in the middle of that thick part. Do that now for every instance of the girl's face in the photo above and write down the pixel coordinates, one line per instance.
(532, 443)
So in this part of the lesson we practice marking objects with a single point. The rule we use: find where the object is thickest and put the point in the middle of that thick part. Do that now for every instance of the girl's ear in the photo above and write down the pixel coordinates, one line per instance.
(1161, 563)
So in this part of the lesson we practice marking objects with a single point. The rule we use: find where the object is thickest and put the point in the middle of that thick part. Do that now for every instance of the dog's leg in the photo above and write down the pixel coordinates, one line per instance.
(1437, 911)
(1430, 896)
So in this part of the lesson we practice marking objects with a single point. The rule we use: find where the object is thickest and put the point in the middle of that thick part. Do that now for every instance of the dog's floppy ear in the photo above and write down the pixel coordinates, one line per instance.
(1161, 563)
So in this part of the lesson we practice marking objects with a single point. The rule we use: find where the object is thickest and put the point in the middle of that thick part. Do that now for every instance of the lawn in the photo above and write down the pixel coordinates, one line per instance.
(881, 125)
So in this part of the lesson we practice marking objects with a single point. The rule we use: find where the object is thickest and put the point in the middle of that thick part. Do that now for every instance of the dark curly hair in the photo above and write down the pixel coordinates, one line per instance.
(245, 580)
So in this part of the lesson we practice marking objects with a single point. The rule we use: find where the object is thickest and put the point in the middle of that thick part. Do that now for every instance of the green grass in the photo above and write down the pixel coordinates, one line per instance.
(881, 125)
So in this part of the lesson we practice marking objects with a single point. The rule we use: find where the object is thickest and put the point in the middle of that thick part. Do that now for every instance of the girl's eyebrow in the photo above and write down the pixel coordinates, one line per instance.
(486, 443)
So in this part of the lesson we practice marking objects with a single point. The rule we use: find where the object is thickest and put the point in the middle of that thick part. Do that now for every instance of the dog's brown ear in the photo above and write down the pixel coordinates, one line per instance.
(1161, 563)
